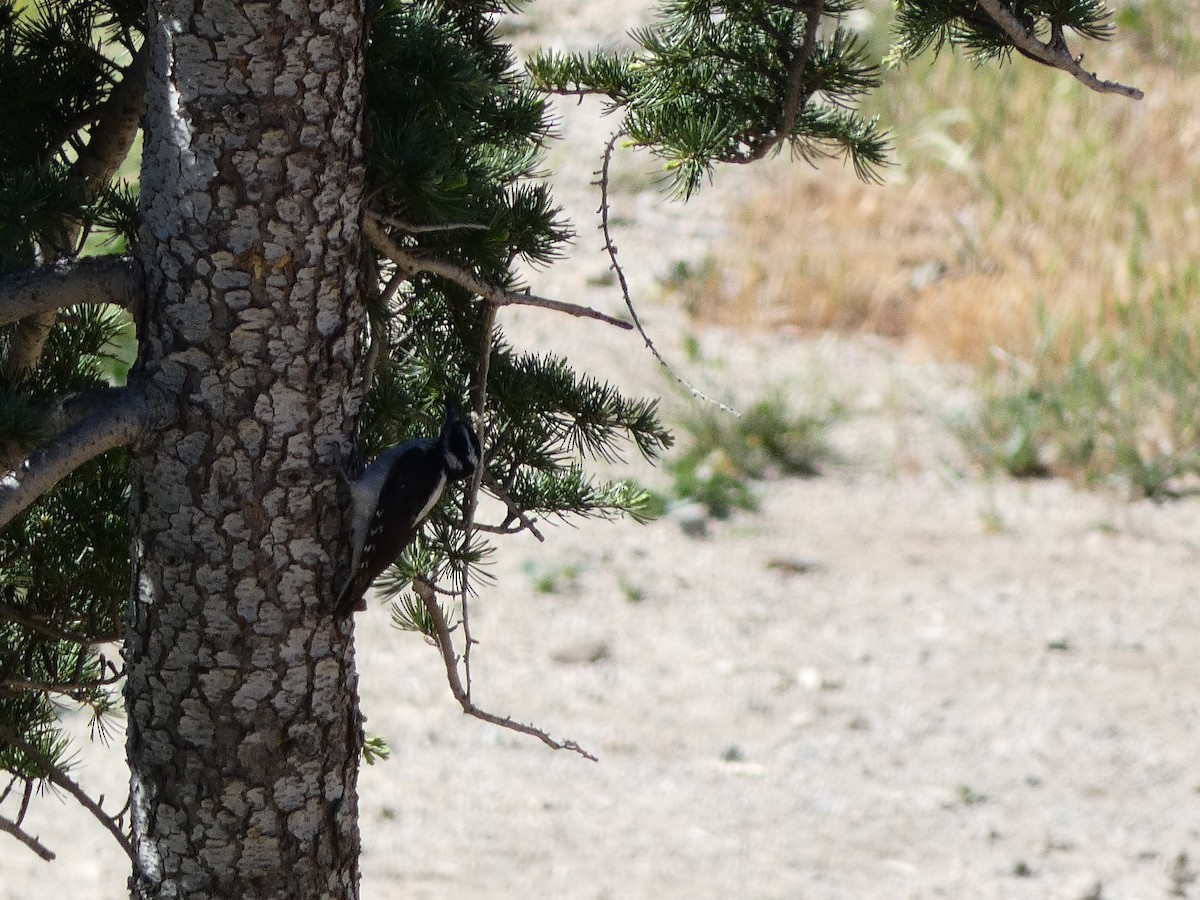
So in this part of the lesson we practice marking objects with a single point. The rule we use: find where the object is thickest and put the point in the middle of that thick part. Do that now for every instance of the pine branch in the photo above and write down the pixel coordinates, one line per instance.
(118, 119)
(71, 282)
(793, 98)
(60, 779)
(1054, 53)
(10, 827)
(43, 627)
(491, 294)
(446, 645)
(116, 424)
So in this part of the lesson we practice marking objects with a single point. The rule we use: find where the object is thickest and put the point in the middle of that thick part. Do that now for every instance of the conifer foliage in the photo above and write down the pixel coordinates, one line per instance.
(454, 133)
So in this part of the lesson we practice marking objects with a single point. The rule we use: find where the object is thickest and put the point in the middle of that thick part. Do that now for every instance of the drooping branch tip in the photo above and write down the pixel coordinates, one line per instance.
(1054, 53)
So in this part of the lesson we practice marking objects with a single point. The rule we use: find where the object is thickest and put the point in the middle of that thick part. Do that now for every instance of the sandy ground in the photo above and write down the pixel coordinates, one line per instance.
(897, 680)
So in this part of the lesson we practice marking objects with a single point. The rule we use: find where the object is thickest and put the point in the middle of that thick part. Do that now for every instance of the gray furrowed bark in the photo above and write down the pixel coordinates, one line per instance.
(243, 724)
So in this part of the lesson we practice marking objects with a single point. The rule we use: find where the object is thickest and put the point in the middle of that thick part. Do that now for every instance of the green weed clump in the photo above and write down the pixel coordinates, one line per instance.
(723, 455)
(1121, 404)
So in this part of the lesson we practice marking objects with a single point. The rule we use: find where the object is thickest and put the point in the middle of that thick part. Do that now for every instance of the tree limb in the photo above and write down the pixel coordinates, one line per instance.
(412, 262)
(116, 424)
(1054, 53)
(28, 341)
(44, 627)
(109, 140)
(55, 416)
(71, 282)
(26, 838)
(118, 119)
(446, 645)
(57, 777)
(793, 98)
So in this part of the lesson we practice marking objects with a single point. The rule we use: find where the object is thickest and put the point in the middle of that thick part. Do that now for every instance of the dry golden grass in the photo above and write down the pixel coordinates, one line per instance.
(1015, 192)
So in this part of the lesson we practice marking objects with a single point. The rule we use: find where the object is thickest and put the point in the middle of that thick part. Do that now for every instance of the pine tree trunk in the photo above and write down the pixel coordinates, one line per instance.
(243, 724)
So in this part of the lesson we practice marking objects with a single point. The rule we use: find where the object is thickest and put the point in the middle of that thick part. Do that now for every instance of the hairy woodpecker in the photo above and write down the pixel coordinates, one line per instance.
(394, 495)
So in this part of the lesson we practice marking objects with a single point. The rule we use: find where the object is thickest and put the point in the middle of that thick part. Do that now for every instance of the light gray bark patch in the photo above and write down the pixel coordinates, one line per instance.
(255, 687)
(196, 727)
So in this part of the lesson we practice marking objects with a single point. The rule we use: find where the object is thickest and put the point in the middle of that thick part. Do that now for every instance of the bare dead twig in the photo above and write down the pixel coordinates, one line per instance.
(513, 510)
(413, 262)
(471, 500)
(1055, 53)
(10, 827)
(611, 249)
(446, 645)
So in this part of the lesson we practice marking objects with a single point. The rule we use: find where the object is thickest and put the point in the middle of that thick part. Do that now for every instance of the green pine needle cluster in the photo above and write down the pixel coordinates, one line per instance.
(709, 84)
(64, 564)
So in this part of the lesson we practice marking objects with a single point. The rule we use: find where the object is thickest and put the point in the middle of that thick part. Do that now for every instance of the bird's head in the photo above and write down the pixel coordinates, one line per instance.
(460, 445)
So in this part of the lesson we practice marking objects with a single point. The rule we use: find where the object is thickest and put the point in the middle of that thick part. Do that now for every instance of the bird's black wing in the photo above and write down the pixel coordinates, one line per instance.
(414, 481)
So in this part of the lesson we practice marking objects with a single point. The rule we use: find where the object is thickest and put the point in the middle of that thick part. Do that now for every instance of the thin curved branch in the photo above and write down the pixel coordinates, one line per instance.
(411, 262)
(1055, 53)
(478, 393)
(116, 424)
(445, 644)
(610, 248)
(514, 511)
(410, 228)
(71, 282)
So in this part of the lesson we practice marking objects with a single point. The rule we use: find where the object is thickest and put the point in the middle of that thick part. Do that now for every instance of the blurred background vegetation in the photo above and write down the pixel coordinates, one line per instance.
(1043, 234)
